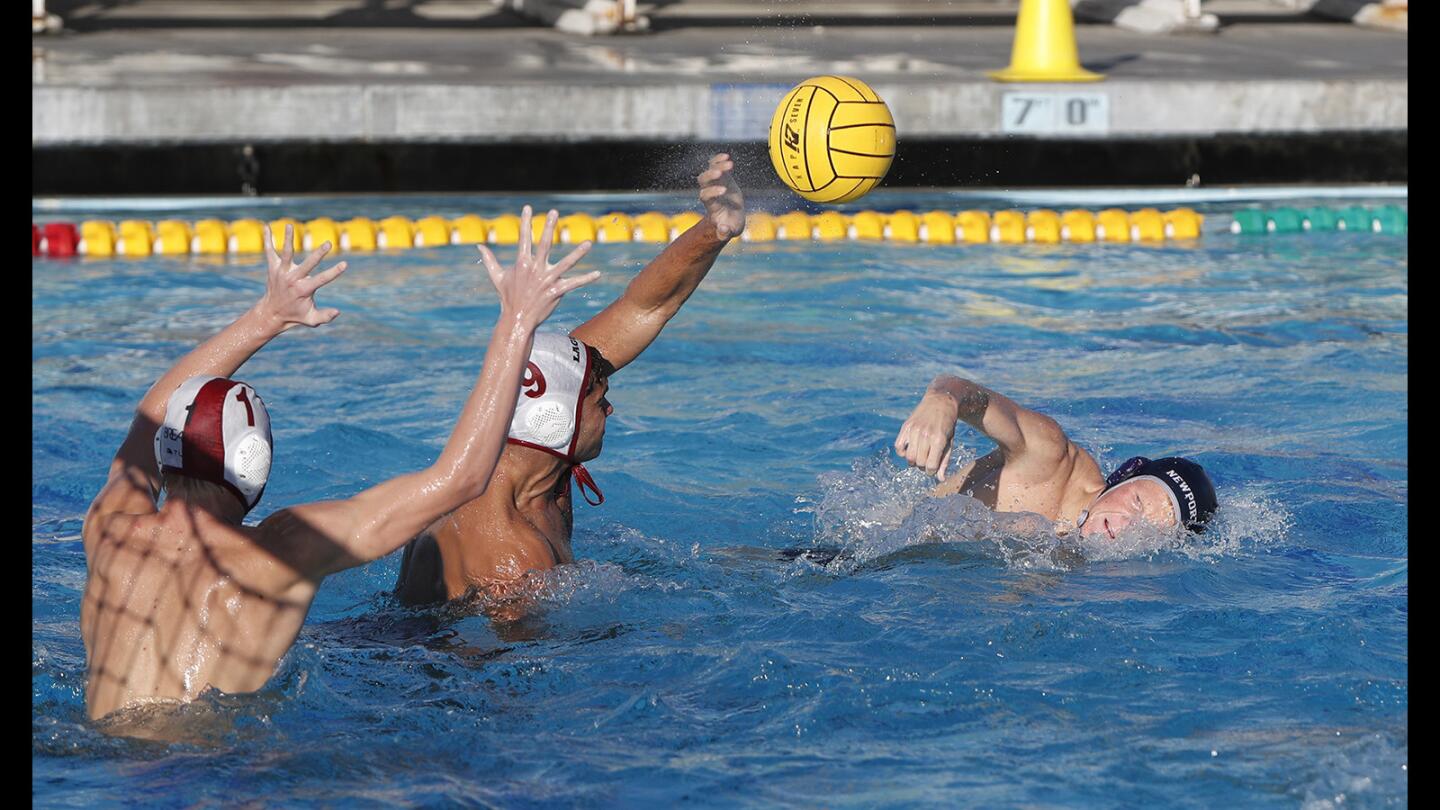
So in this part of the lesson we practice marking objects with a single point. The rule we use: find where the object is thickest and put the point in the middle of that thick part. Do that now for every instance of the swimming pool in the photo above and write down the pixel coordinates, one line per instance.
(687, 658)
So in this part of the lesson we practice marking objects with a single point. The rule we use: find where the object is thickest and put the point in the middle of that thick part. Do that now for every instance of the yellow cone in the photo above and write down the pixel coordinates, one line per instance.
(1045, 46)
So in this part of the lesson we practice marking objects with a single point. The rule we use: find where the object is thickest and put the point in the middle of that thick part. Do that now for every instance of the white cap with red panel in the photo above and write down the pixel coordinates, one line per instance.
(551, 399)
(217, 430)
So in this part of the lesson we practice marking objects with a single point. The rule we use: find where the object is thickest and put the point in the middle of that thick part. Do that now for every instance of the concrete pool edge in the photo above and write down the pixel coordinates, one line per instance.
(1094, 196)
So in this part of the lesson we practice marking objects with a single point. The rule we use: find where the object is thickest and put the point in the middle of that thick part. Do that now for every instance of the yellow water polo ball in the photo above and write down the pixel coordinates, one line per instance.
(832, 139)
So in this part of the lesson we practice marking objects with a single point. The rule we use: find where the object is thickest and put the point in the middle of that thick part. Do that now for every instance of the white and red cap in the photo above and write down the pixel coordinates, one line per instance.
(552, 394)
(217, 430)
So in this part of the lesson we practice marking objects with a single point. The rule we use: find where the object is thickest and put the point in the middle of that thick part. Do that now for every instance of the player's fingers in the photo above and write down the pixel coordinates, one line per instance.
(526, 236)
(289, 255)
(321, 279)
(313, 259)
(272, 259)
(570, 260)
(547, 236)
(566, 285)
(935, 459)
(492, 266)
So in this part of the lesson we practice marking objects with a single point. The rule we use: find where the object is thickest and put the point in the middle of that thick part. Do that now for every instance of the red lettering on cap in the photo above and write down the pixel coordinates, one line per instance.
(533, 380)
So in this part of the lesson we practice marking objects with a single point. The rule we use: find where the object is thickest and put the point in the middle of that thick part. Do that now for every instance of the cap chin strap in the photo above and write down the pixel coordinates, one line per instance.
(584, 481)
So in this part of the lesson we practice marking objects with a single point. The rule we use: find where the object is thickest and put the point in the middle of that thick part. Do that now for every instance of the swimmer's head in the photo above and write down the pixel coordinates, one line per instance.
(217, 430)
(1163, 493)
(561, 408)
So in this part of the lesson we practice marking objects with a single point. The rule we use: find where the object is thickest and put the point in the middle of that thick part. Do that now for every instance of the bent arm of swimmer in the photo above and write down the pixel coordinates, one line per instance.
(631, 323)
(289, 300)
(1019, 431)
(1024, 436)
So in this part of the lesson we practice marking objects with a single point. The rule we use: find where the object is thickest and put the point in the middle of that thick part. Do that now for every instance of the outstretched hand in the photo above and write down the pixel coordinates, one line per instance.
(924, 439)
(724, 204)
(533, 288)
(290, 289)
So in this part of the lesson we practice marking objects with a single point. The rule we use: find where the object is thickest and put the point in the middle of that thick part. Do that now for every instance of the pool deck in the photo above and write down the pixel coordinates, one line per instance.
(166, 72)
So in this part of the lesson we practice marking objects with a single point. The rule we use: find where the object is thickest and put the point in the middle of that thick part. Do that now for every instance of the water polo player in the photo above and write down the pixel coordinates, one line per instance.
(1037, 469)
(182, 596)
(523, 521)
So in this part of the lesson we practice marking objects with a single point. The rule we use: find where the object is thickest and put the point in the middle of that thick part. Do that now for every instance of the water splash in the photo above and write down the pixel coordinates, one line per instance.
(587, 583)
(1372, 771)
(1247, 516)
(877, 509)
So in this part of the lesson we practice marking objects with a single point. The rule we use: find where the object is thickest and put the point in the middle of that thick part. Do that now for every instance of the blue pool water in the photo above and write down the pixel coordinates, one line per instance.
(938, 659)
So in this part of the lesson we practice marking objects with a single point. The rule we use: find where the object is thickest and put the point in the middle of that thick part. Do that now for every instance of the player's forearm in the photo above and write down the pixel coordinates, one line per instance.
(474, 447)
(971, 399)
(383, 518)
(220, 356)
(668, 281)
(1015, 429)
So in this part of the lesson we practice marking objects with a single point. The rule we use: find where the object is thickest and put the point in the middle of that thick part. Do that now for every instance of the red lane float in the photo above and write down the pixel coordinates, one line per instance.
(60, 239)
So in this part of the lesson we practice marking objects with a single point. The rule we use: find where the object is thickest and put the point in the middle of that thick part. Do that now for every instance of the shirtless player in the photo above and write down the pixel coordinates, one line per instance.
(523, 521)
(1037, 469)
(183, 596)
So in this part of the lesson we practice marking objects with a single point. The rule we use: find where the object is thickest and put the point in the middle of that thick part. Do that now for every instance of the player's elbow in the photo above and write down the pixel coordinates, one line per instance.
(652, 315)
(950, 383)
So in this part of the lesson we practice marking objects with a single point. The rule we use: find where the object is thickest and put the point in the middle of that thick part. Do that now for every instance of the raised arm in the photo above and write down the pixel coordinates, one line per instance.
(318, 539)
(1026, 438)
(631, 323)
(289, 300)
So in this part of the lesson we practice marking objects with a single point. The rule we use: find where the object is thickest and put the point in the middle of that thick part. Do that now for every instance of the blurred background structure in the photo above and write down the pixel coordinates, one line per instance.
(272, 96)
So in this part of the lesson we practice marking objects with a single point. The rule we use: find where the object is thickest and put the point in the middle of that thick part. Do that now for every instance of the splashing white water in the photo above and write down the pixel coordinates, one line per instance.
(1372, 771)
(877, 509)
(1247, 516)
(584, 582)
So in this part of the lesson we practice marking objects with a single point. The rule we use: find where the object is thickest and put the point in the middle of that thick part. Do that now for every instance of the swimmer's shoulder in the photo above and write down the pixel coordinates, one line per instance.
(115, 530)
(1082, 483)
(115, 515)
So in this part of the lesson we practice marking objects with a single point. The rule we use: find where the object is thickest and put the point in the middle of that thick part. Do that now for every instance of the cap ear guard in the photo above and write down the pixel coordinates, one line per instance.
(251, 468)
(549, 423)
